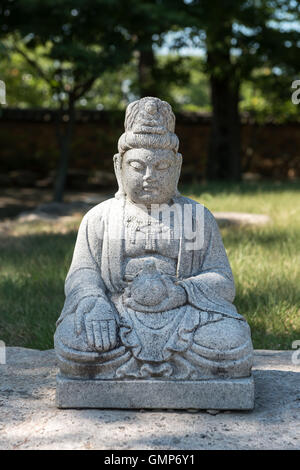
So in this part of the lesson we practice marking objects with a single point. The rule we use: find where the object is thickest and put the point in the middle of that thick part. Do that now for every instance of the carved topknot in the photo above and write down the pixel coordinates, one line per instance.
(149, 116)
(150, 124)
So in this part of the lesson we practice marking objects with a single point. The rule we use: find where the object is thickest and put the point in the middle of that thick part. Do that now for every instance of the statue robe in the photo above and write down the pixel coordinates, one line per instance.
(97, 270)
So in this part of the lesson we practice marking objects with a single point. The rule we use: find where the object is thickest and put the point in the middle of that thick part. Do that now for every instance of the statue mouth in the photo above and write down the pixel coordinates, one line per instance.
(150, 188)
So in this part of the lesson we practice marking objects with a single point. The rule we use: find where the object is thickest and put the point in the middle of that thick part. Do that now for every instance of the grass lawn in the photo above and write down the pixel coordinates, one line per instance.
(34, 259)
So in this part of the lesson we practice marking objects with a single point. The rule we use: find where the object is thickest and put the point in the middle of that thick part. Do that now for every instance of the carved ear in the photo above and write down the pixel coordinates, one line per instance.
(117, 166)
(178, 163)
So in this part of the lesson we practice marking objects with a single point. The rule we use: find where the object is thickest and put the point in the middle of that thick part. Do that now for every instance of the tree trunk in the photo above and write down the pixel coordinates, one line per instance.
(146, 62)
(224, 153)
(64, 136)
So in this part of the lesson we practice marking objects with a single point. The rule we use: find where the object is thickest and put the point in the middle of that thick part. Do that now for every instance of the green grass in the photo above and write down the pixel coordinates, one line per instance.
(34, 260)
(265, 260)
(33, 266)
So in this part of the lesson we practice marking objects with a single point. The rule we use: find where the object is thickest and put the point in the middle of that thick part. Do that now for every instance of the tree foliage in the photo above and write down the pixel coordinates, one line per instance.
(104, 53)
(68, 44)
(240, 38)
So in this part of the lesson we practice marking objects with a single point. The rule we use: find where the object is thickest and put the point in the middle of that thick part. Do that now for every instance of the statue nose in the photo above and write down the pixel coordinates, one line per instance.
(149, 175)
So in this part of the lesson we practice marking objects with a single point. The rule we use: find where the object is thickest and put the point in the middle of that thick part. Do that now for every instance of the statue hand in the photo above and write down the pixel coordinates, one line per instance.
(101, 330)
(99, 321)
(176, 293)
(84, 307)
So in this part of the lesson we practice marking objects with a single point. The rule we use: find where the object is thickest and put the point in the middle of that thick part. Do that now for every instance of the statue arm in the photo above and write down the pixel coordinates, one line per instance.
(212, 288)
(84, 278)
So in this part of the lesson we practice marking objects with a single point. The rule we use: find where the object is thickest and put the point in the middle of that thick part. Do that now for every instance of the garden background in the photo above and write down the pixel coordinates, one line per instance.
(228, 68)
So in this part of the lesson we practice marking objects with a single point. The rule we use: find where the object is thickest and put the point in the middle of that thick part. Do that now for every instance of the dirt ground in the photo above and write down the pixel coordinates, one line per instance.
(14, 201)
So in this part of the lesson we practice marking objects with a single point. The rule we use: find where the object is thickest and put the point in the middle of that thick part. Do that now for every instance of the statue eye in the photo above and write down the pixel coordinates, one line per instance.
(163, 165)
(137, 165)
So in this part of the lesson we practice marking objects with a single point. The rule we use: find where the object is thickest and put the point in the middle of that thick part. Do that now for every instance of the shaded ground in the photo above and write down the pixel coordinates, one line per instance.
(29, 418)
(13, 201)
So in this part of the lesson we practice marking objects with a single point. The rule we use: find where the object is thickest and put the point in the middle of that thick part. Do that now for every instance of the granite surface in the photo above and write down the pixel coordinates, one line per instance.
(236, 394)
(29, 418)
(150, 291)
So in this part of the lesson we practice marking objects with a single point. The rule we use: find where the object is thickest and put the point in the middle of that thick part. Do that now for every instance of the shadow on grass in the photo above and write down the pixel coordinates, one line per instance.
(38, 243)
(12, 210)
(33, 271)
(263, 338)
(272, 311)
(256, 236)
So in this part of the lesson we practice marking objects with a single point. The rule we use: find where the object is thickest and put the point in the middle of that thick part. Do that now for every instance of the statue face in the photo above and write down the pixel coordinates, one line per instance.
(150, 176)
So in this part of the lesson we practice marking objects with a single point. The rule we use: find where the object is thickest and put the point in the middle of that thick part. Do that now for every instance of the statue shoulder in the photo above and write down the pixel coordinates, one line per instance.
(209, 218)
(100, 210)
(187, 200)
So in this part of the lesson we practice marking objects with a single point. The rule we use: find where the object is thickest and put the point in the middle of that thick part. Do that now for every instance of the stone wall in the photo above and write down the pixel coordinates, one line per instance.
(28, 142)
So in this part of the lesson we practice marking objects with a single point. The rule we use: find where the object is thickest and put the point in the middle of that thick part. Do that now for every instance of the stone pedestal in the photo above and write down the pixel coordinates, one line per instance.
(219, 394)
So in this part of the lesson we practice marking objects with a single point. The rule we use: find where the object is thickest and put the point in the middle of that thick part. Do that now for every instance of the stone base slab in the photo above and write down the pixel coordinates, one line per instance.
(218, 394)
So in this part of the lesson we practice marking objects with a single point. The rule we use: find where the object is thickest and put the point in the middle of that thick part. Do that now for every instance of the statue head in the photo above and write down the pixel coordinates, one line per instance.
(148, 163)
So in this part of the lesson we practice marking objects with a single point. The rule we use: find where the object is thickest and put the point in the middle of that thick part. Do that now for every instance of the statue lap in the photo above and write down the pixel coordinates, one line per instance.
(219, 348)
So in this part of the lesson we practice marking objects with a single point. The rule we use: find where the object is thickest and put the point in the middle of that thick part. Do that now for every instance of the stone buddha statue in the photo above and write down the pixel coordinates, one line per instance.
(149, 292)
